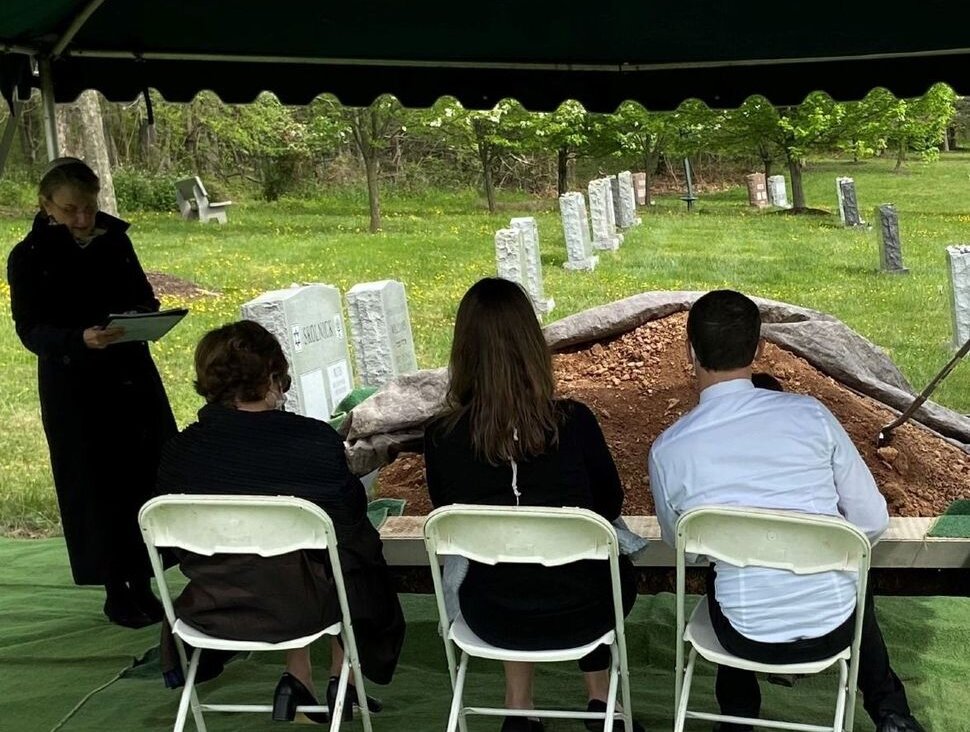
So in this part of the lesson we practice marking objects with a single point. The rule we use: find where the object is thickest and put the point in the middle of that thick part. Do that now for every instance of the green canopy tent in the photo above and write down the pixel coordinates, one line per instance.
(538, 52)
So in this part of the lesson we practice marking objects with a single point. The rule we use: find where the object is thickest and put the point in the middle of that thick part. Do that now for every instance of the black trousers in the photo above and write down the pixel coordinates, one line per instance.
(737, 690)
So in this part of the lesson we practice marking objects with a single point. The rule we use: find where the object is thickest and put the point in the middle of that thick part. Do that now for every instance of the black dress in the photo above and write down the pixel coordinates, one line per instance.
(105, 412)
(524, 606)
(229, 451)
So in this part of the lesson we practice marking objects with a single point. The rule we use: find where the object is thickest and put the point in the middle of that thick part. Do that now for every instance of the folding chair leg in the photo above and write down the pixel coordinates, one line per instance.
(361, 693)
(611, 695)
(188, 696)
(337, 713)
(625, 692)
(840, 700)
(456, 700)
(681, 717)
(197, 712)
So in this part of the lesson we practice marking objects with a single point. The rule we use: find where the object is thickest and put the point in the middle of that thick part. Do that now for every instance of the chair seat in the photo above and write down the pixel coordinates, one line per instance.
(466, 639)
(700, 634)
(197, 639)
(220, 204)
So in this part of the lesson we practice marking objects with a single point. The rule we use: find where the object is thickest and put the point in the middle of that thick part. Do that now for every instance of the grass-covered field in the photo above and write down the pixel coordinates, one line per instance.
(440, 243)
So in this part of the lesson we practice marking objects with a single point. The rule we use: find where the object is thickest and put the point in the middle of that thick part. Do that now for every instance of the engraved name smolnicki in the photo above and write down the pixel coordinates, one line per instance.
(315, 332)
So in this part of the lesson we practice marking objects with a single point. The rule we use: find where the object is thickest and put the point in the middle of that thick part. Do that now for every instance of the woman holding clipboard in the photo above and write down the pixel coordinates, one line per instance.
(103, 404)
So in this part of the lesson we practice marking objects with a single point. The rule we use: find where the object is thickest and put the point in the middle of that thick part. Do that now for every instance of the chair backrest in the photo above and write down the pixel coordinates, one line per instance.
(201, 195)
(233, 524)
(524, 534)
(185, 196)
(798, 542)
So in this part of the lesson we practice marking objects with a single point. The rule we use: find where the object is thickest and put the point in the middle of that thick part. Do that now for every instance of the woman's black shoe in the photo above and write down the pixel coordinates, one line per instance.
(598, 705)
(120, 609)
(350, 700)
(291, 693)
(522, 724)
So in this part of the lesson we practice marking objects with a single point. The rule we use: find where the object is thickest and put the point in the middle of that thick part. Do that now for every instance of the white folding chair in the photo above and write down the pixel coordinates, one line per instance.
(549, 537)
(797, 542)
(265, 525)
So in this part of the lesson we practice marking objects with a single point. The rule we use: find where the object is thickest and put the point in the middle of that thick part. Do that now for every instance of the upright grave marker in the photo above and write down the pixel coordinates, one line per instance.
(757, 190)
(640, 186)
(848, 203)
(777, 194)
(532, 280)
(958, 257)
(308, 322)
(628, 203)
(603, 217)
(615, 192)
(510, 255)
(887, 232)
(380, 326)
(575, 226)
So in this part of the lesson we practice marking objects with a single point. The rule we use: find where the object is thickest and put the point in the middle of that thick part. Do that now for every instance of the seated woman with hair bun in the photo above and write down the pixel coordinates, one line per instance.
(243, 443)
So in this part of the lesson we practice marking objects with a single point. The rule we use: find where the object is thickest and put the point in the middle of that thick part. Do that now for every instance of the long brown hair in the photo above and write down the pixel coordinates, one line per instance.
(501, 374)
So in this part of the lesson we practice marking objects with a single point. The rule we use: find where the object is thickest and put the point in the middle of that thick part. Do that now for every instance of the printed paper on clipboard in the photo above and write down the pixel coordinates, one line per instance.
(146, 326)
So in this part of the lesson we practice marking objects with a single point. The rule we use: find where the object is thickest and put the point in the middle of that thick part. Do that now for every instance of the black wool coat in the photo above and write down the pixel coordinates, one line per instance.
(105, 412)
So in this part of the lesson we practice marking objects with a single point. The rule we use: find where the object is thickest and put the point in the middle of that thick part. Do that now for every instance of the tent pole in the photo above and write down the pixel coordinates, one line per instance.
(75, 26)
(7, 141)
(47, 96)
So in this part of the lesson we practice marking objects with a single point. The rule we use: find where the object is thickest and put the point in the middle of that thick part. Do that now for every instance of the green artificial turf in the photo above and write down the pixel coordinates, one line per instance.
(954, 523)
(63, 667)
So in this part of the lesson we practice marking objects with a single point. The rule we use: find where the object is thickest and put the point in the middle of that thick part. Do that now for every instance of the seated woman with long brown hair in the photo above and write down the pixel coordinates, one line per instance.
(504, 438)
(244, 443)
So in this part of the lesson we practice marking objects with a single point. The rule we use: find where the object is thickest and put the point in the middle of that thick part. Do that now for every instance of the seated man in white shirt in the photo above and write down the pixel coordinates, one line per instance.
(743, 446)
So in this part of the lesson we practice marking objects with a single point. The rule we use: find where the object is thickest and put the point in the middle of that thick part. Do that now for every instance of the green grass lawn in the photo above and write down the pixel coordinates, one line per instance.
(440, 243)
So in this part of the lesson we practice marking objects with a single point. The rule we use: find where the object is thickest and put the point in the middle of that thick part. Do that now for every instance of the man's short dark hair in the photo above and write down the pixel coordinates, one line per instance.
(724, 328)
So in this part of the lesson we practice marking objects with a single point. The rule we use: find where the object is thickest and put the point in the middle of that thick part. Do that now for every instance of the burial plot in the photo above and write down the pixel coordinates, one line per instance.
(532, 262)
(958, 257)
(887, 232)
(848, 203)
(308, 322)
(575, 227)
(380, 326)
(757, 190)
(777, 193)
(627, 208)
(602, 215)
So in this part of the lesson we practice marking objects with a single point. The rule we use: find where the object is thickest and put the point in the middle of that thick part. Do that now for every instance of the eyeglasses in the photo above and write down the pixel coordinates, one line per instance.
(72, 212)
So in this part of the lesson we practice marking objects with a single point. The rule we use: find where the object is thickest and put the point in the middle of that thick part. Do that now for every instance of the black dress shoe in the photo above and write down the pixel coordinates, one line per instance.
(595, 725)
(120, 610)
(350, 699)
(291, 693)
(522, 724)
(893, 722)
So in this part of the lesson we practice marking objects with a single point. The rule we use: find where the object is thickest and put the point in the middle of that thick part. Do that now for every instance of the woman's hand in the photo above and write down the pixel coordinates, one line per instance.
(99, 337)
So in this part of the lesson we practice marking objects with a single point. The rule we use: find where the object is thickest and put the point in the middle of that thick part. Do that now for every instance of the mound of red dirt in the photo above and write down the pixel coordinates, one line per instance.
(639, 384)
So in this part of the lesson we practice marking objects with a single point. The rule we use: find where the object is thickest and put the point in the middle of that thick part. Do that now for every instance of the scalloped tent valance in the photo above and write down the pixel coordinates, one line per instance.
(540, 53)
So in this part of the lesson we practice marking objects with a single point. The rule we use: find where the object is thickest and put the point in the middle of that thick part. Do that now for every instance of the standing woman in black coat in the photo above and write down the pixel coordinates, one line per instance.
(103, 404)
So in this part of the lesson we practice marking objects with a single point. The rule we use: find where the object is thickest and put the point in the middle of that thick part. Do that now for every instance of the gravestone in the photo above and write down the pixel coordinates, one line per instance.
(532, 280)
(848, 203)
(640, 186)
(887, 232)
(510, 255)
(602, 215)
(381, 330)
(628, 202)
(958, 257)
(308, 322)
(575, 227)
(757, 190)
(777, 194)
(615, 192)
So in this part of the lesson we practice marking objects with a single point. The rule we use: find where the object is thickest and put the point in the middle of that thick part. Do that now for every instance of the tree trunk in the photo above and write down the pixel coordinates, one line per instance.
(650, 161)
(373, 191)
(26, 138)
(562, 170)
(797, 189)
(900, 156)
(96, 148)
(486, 159)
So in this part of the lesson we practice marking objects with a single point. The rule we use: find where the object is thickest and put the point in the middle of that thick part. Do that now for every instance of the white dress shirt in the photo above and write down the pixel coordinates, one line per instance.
(743, 446)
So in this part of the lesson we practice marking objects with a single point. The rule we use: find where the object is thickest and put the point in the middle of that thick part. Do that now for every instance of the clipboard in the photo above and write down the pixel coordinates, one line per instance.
(146, 326)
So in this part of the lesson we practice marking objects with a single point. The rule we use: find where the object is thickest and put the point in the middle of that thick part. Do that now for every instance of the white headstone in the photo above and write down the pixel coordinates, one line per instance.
(510, 255)
(628, 202)
(575, 226)
(777, 194)
(958, 257)
(533, 264)
(381, 329)
(602, 215)
(308, 322)
(640, 186)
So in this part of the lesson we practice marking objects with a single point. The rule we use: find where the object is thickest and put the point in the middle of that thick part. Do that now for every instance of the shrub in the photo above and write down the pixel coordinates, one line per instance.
(138, 191)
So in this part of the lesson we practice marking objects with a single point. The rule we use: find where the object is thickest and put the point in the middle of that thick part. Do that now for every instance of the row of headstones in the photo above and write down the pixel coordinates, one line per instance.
(612, 207)
(762, 193)
(308, 322)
